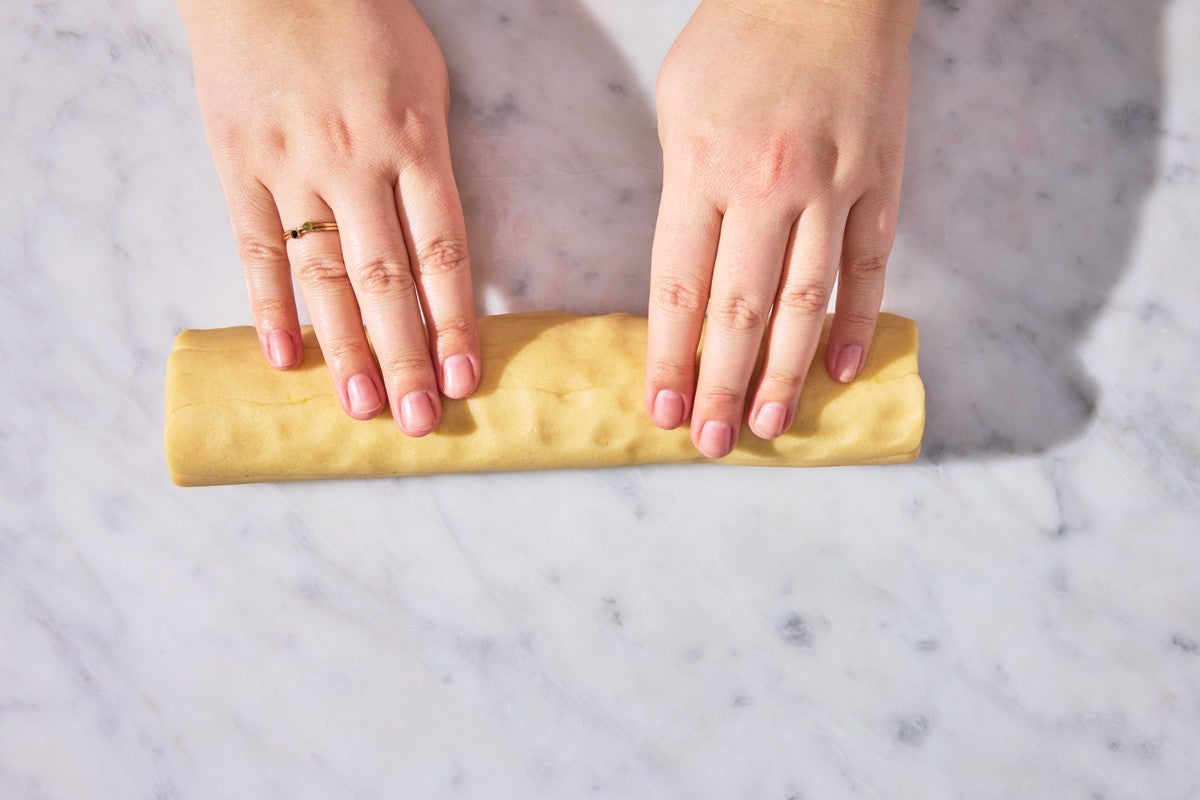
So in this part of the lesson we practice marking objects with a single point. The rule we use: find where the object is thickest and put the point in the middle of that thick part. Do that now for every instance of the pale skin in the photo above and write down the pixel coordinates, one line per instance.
(320, 111)
(782, 124)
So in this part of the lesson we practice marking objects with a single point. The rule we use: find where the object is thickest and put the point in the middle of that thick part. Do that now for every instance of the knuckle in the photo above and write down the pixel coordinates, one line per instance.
(271, 308)
(416, 132)
(675, 295)
(722, 398)
(336, 136)
(384, 276)
(849, 178)
(885, 223)
(406, 364)
(868, 266)
(454, 333)
(844, 187)
(738, 312)
(854, 322)
(233, 146)
(342, 350)
(790, 163)
(319, 270)
(778, 163)
(695, 156)
(225, 136)
(852, 326)
(806, 299)
(668, 372)
(258, 253)
(443, 256)
(786, 379)
(825, 160)
(273, 145)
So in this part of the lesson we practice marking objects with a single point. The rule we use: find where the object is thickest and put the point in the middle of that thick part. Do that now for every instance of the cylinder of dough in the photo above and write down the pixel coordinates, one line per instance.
(557, 391)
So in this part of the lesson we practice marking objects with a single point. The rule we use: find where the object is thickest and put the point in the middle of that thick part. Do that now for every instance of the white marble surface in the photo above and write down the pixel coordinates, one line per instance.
(1015, 616)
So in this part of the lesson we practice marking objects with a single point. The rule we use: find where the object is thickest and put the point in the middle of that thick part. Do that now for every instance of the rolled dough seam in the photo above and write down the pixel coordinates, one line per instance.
(557, 391)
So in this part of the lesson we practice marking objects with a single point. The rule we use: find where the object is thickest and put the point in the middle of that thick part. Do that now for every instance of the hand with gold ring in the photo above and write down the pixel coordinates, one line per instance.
(327, 123)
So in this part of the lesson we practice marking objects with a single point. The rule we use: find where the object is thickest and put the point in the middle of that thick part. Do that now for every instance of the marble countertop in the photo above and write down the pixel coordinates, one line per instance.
(1017, 615)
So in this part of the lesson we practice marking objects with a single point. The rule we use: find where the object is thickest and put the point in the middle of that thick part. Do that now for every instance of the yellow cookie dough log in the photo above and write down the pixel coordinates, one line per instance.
(557, 391)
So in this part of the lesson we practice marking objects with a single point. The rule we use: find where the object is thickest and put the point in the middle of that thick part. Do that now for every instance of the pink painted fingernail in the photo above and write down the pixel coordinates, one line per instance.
(281, 348)
(364, 397)
(847, 363)
(668, 409)
(716, 439)
(416, 414)
(458, 376)
(771, 420)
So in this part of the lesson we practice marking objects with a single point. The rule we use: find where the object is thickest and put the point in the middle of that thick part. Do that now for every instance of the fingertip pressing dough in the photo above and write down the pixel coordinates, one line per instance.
(557, 391)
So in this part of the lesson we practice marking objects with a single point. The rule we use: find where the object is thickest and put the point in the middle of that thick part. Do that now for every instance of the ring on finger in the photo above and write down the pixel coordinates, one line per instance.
(308, 227)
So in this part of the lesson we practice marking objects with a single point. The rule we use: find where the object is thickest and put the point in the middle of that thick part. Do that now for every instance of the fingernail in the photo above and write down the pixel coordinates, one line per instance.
(458, 376)
(668, 409)
(771, 420)
(364, 397)
(716, 439)
(847, 363)
(416, 414)
(281, 348)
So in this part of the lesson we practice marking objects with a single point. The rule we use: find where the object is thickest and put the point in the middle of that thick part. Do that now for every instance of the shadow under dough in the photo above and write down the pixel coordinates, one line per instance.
(556, 156)
(1033, 140)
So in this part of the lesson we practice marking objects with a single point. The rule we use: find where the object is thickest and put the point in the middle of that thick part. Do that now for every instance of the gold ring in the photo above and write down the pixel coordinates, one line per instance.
(309, 227)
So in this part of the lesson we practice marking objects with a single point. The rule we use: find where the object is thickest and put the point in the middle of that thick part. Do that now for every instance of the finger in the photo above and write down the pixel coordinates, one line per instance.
(316, 260)
(870, 231)
(804, 289)
(431, 214)
(377, 258)
(745, 280)
(259, 237)
(681, 266)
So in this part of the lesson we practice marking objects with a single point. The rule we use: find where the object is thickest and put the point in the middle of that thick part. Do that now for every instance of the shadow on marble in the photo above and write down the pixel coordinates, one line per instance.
(1032, 142)
(556, 155)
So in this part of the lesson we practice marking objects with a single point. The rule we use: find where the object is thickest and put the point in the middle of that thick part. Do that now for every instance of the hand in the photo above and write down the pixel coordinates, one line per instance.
(322, 112)
(782, 125)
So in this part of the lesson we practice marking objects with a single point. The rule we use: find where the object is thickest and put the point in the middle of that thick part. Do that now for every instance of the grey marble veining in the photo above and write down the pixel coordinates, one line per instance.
(1017, 615)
